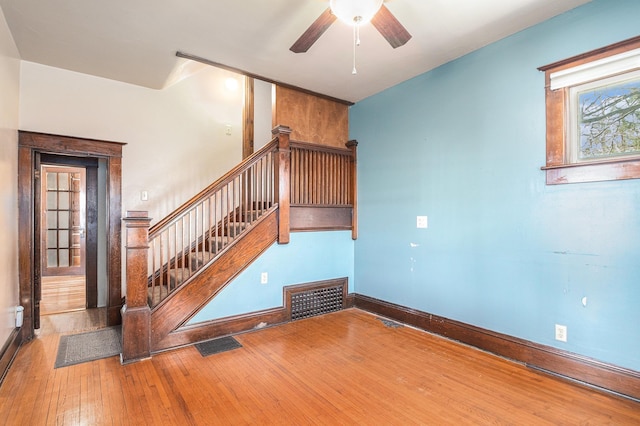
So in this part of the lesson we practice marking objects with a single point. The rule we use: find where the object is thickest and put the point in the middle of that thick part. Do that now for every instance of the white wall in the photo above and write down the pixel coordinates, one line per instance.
(262, 126)
(9, 101)
(176, 141)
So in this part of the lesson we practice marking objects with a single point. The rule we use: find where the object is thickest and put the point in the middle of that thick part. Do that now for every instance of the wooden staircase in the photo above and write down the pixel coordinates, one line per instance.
(177, 266)
(199, 256)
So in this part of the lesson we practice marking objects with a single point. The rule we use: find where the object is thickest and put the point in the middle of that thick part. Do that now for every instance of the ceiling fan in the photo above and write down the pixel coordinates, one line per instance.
(356, 13)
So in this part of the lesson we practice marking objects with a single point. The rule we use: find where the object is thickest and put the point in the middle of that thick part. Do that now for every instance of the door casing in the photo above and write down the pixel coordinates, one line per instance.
(31, 146)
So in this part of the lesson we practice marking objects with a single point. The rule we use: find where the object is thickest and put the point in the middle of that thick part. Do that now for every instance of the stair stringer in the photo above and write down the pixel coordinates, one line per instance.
(192, 296)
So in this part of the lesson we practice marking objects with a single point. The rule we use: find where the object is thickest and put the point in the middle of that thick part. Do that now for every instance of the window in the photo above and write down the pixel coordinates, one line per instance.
(593, 115)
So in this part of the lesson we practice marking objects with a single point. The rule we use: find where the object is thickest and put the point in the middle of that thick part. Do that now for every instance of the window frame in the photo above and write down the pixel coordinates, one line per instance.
(559, 169)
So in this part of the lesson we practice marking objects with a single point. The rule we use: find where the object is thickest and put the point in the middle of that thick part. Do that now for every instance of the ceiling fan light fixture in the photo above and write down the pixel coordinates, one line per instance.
(355, 12)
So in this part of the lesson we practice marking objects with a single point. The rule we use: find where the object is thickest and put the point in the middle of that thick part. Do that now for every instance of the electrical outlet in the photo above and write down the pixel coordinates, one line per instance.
(264, 278)
(422, 222)
(561, 332)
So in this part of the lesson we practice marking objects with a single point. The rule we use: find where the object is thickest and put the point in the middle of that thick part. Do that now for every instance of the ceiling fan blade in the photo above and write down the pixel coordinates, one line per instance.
(390, 28)
(313, 33)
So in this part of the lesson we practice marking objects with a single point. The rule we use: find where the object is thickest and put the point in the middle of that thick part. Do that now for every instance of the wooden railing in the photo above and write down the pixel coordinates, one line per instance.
(321, 175)
(191, 237)
(172, 253)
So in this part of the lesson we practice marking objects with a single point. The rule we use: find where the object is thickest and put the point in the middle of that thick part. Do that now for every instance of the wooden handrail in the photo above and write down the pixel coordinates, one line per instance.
(320, 148)
(220, 182)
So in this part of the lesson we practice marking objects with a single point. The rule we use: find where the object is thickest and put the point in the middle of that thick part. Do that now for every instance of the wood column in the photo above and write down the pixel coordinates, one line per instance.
(353, 146)
(136, 314)
(282, 178)
(114, 238)
(248, 118)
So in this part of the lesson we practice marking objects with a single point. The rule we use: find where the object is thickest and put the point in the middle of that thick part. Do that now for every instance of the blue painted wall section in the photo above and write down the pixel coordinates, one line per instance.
(463, 144)
(310, 256)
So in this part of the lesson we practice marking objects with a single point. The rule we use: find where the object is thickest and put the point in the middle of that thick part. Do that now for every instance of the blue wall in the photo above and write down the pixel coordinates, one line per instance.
(463, 144)
(310, 256)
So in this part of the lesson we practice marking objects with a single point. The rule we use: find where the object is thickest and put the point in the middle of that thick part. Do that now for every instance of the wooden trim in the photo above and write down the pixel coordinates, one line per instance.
(558, 169)
(80, 147)
(593, 172)
(135, 322)
(557, 361)
(308, 146)
(91, 253)
(353, 146)
(282, 168)
(114, 239)
(9, 352)
(593, 55)
(207, 330)
(26, 250)
(259, 77)
(136, 314)
(31, 144)
(248, 118)
(350, 301)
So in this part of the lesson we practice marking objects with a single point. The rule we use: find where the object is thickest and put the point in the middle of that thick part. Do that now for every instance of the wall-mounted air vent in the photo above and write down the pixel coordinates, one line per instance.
(308, 300)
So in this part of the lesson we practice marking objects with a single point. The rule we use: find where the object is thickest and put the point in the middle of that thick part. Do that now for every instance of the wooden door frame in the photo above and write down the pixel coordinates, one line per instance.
(31, 143)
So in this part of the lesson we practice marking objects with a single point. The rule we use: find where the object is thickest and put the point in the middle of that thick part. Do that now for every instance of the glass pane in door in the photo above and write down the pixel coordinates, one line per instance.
(63, 220)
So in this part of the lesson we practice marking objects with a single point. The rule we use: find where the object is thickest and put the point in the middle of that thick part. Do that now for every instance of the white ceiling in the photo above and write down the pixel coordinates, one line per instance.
(136, 41)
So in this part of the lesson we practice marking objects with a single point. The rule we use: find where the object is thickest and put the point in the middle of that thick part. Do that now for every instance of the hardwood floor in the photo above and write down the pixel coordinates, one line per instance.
(63, 294)
(340, 368)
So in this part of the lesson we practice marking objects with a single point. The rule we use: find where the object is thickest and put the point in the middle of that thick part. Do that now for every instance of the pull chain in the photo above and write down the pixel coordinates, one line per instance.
(356, 41)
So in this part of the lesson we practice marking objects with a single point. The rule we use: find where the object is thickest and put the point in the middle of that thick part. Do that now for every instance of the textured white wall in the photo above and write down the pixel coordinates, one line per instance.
(262, 113)
(176, 139)
(9, 101)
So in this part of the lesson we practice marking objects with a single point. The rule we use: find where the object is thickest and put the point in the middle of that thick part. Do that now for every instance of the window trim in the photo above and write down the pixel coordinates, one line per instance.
(559, 169)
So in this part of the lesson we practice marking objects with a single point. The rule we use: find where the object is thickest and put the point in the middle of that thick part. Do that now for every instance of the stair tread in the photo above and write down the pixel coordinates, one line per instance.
(177, 276)
(197, 259)
(156, 293)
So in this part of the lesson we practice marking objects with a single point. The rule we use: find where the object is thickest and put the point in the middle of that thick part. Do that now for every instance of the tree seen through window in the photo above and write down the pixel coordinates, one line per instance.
(609, 121)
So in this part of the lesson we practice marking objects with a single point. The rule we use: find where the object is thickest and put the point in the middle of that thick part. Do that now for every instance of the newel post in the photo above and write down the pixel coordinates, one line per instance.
(282, 171)
(136, 314)
(353, 146)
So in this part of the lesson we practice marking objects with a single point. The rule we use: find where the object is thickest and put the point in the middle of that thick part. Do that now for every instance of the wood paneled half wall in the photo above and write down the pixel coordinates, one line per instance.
(312, 118)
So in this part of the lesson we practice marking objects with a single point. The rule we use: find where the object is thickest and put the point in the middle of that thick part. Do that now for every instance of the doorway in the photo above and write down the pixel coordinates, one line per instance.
(68, 234)
(34, 151)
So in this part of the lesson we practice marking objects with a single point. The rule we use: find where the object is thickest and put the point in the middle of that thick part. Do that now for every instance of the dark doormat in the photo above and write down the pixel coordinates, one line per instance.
(216, 346)
(78, 348)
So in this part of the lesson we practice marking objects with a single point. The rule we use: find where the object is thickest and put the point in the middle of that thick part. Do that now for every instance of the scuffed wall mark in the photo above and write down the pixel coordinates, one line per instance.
(574, 253)
(412, 260)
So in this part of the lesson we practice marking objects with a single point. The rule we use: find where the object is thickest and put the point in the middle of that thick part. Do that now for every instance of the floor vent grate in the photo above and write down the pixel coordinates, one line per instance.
(309, 300)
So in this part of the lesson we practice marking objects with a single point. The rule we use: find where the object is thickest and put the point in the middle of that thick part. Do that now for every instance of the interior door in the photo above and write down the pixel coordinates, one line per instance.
(63, 220)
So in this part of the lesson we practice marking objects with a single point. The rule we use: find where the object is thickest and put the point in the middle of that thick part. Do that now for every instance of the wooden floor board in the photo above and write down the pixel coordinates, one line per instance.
(63, 294)
(340, 368)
